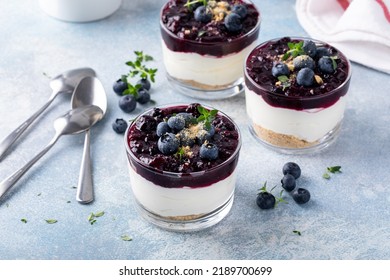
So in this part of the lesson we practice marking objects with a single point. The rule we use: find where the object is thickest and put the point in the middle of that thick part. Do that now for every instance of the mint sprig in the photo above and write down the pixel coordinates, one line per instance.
(139, 68)
(284, 81)
(206, 116)
(295, 49)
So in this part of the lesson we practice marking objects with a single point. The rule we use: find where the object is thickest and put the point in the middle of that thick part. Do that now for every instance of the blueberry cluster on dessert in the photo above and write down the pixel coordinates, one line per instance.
(298, 67)
(205, 41)
(296, 92)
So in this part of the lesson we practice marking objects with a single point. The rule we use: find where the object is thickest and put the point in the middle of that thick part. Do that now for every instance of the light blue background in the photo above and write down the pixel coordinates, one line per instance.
(347, 217)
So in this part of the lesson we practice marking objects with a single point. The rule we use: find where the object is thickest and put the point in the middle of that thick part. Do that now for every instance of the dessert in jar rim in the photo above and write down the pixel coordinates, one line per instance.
(212, 34)
(295, 92)
(194, 131)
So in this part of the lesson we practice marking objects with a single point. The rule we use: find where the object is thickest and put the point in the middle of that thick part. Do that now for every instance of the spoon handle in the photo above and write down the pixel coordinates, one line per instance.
(13, 136)
(85, 183)
(11, 180)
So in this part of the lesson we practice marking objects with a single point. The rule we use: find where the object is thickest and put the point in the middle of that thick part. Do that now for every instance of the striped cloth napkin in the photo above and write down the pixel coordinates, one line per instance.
(358, 28)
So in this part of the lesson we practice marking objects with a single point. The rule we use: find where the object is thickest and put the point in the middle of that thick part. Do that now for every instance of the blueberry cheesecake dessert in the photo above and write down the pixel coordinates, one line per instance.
(295, 91)
(182, 162)
(205, 42)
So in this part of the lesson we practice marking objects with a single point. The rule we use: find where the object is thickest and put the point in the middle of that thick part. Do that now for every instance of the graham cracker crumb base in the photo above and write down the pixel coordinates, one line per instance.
(281, 140)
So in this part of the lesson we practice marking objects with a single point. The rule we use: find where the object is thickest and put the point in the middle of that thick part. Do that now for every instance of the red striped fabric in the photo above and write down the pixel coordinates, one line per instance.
(385, 9)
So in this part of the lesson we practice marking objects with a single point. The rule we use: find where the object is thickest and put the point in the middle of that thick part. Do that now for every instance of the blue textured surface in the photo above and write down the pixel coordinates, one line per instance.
(347, 217)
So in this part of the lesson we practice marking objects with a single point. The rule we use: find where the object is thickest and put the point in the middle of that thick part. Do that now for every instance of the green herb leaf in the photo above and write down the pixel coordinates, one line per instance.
(51, 221)
(297, 232)
(334, 169)
(99, 214)
(285, 81)
(24, 220)
(206, 116)
(295, 49)
(126, 238)
(326, 176)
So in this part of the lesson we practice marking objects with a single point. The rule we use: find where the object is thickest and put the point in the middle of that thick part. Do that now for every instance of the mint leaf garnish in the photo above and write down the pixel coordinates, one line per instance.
(295, 49)
(206, 116)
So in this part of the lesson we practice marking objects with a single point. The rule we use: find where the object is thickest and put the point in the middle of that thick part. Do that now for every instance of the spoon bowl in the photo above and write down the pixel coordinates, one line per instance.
(73, 122)
(89, 91)
(63, 83)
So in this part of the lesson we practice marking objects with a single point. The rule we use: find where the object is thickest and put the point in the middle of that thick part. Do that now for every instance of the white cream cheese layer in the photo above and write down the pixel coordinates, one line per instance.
(183, 201)
(309, 125)
(204, 69)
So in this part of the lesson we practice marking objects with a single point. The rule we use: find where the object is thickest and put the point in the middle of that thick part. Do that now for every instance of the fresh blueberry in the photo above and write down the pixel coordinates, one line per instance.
(119, 126)
(162, 128)
(203, 14)
(188, 118)
(303, 61)
(322, 51)
(185, 139)
(119, 87)
(208, 151)
(280, 69)
(176, 123)
(168, 144)
(143, 96)
(292, 168)
(233, 22)
(305, 77)
(310, 48)
(265, 200)
(301, 195)
(288, 182)
(325, 64)
(144, 82)
(127, 103)
(240, 10)
(205, 134)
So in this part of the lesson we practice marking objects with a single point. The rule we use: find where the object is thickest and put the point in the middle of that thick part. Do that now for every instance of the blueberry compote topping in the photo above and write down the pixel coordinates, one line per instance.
(298, 73)
(224, 26)
(184, 139)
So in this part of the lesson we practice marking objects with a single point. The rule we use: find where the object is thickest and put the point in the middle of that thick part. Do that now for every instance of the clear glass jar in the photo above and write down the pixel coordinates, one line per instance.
(295, 124)
(187, 201)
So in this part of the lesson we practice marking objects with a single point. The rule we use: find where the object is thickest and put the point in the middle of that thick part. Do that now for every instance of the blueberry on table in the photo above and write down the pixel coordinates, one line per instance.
(280, 69)
(176, 123)
(162, 128)
(310, 48)
(127, 103)
(233, 22)
(202, 14)
(265, 200)
(288, 182)
(144, 82)
(301, 195)
(168, 144)
(325, 64)
(209, 151)
(119, 126)
(292, 168)
(119, 87)
(303, 61)
(240, 10)
(305, 77)
(143, 96)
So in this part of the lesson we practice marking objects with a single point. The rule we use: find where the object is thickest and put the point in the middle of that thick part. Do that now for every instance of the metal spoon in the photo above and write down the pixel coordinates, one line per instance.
(63, 83)
(89, 91)
(73, 122)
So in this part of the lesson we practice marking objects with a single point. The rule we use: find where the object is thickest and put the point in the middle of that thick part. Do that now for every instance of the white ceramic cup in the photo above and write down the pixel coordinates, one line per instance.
(80, 10)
